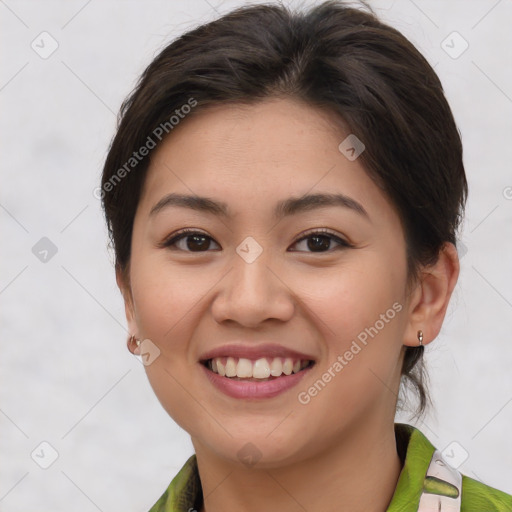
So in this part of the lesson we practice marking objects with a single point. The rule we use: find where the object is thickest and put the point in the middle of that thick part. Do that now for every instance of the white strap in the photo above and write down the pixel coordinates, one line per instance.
(444, 474)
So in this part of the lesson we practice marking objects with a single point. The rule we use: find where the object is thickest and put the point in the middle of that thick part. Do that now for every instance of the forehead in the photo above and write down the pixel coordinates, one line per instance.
(278, 129)
(256, 154)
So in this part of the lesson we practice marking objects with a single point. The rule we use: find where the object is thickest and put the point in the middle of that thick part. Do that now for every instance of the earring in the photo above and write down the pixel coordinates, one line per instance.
(420, 338)
(131, 340)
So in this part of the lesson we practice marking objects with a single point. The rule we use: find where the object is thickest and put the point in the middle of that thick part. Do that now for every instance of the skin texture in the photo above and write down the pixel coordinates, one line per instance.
(338, 451)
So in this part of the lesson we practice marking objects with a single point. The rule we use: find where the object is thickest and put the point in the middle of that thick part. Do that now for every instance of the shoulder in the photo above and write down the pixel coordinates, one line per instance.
(478, 497)
(427, 479)
(184, 493)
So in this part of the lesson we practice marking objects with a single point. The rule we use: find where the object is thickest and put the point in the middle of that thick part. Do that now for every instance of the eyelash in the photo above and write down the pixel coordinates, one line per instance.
(169, 242)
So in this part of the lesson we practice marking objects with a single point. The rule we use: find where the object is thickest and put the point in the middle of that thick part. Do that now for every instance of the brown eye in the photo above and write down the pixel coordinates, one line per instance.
(320, 241)
(194, 241)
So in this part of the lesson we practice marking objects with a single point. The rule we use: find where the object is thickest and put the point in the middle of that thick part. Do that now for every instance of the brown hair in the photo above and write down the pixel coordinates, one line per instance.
(332, 57)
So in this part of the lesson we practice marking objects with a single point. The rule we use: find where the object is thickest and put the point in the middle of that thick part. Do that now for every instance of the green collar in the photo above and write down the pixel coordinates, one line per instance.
(184, 493)
(418, 453)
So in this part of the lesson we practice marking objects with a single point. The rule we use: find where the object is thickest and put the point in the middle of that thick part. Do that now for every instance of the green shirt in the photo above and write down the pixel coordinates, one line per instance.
(415, 451)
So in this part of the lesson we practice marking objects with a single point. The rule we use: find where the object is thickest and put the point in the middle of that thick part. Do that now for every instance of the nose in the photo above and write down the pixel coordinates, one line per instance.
(253, 292)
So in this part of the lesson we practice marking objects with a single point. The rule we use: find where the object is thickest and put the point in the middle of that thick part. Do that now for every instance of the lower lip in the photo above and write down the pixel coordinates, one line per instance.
(252, 389)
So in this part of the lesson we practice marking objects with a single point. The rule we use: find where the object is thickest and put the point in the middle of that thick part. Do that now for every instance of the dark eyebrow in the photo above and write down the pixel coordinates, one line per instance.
(285, 208)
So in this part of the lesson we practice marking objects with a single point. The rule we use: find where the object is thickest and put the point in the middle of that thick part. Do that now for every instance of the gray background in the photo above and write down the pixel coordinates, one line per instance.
(67, 377)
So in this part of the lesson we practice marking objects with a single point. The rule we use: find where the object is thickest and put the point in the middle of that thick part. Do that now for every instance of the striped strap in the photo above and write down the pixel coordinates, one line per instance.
(442, 488)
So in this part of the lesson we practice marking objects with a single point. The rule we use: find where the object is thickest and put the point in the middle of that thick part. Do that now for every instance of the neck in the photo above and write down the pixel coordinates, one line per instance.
(359, 474)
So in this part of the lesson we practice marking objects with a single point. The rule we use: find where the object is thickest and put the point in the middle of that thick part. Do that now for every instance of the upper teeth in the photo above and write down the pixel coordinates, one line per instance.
(259, 369)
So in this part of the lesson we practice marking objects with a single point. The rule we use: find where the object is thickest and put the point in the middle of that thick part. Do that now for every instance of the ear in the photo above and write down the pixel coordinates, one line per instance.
(430, 298)
(122, 279)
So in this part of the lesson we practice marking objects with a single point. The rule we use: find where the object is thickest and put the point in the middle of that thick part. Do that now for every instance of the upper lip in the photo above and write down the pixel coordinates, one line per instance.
(254, 352)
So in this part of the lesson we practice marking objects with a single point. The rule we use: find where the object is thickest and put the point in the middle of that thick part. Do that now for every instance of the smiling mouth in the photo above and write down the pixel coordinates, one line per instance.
(259, 370)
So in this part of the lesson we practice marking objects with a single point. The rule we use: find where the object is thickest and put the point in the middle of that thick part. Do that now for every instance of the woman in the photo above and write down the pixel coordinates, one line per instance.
(283, 195)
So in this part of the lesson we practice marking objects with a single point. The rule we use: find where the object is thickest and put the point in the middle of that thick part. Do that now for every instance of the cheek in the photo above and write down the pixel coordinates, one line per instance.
(165, 307)
(353, 298)
(360, 314)
(163, 298)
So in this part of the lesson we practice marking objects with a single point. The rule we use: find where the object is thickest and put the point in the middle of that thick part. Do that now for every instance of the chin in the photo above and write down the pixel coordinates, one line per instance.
(258, 450)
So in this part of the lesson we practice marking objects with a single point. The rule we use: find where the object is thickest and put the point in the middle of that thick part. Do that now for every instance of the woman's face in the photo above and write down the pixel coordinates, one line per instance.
(258, 276)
